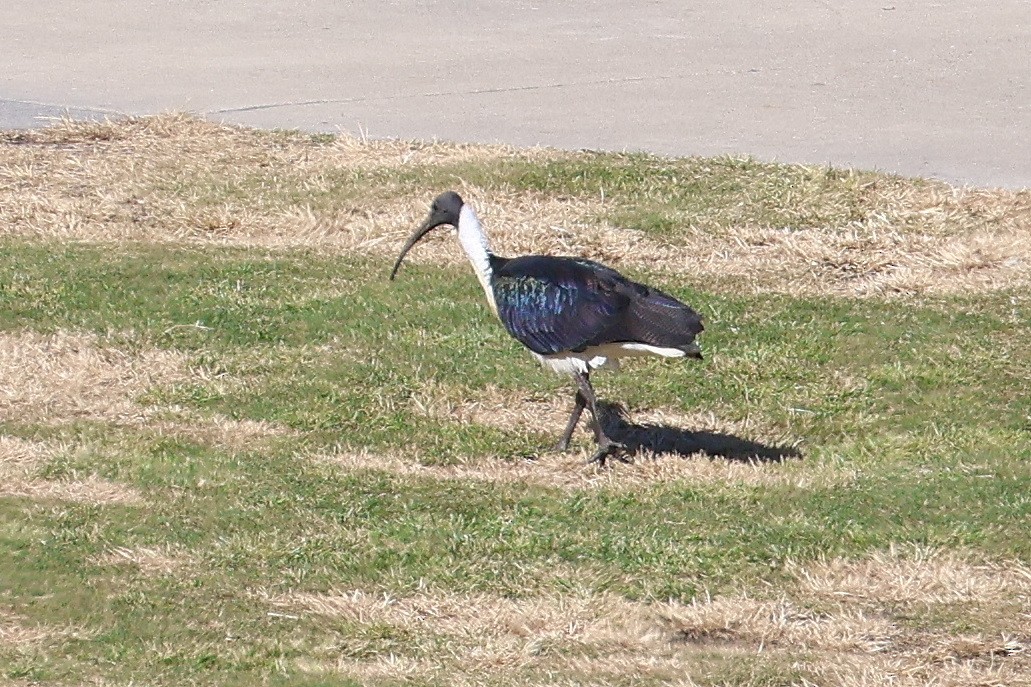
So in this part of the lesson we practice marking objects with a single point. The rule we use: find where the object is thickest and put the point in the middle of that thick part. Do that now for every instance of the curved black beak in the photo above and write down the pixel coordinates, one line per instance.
(435, 220)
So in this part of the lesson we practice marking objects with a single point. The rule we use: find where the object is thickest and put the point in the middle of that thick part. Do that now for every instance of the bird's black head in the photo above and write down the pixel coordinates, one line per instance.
(447, 206)
(446, 209)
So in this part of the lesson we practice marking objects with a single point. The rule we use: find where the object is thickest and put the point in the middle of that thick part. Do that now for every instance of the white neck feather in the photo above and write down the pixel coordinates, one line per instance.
(474, 242)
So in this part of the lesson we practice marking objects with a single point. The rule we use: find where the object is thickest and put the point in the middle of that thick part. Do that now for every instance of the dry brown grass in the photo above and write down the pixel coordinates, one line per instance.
(488, 633)
(65, 376)
(175, 178)
(863, 261)
(17, 631)
(567, 471)
(918, 576)
(148, 560)
(984, 611)
(20, 455)
(14, 631)
(492, 406)
(820, 626)
(91, 490)
(929, 238)
(507, 409)
(166, 178)
(220, 431)
(19, 461)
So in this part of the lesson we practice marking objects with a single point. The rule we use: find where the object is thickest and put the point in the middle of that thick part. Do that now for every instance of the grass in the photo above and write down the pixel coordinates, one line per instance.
(233, 453)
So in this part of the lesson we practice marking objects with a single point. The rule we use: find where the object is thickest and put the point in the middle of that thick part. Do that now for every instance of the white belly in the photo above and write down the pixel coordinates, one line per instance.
(599, 357)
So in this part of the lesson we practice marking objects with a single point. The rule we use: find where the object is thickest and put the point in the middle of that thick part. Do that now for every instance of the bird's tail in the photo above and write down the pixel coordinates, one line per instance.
(661, 320)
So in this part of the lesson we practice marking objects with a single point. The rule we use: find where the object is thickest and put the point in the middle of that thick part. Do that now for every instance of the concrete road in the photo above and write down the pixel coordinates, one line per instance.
(913, 86)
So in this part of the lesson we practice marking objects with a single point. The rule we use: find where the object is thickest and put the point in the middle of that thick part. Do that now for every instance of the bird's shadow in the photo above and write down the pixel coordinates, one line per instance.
(654, 439)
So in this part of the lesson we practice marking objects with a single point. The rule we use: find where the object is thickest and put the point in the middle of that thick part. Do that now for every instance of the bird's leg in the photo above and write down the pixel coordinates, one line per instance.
(606, 447)
(574, 418)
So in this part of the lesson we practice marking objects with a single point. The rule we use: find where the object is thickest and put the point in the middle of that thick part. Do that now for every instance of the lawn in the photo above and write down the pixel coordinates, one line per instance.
(233, 453)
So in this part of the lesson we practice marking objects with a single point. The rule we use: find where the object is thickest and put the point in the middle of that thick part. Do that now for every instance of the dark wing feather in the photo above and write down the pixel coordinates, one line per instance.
(555, 304)
(552, 304)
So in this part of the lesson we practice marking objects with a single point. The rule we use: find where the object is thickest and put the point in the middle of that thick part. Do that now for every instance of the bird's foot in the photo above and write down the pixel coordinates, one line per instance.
(560, 447)
(609, 449)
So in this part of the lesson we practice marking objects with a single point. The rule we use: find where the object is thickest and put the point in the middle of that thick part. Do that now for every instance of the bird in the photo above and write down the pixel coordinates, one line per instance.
(574, 315)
